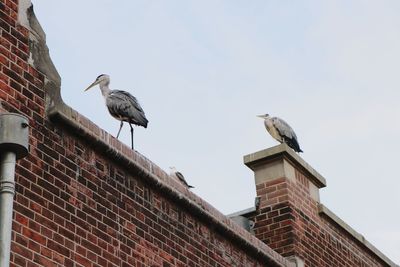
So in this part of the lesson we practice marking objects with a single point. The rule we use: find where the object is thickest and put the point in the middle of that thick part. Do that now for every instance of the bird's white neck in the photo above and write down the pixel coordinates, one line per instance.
(105, 90)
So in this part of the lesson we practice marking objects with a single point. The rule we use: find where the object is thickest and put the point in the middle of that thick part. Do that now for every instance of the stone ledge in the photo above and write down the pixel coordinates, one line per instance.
(153, 175)
(244, 212)
(64, 116)
(324, 211)
(283, 151)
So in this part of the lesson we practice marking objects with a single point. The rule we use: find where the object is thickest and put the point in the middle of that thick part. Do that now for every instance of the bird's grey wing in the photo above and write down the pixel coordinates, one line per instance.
(182, 178)
(287, 133)
(283, 128)
(123, 105)
(127, 96)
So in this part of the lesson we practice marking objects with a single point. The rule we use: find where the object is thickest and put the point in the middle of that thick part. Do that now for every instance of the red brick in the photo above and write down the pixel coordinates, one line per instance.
(7, 89)
(34, 236)
(46, 252)
(21, 219)
(19, 260)
(58, 248)
(21, 250)
(34, 246)
(83, 261)
(43, 261)
(59, 258)
(8, 37)
(4, 60)
(77, 206)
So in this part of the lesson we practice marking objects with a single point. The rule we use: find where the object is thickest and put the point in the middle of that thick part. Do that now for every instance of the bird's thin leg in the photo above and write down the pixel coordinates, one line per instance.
(131, 135)
(120, 127)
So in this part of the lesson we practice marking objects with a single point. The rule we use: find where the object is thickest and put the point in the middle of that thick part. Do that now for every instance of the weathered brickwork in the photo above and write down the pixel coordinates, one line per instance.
(289, 222)
(85, 199)
(76, 206)
(20, 83)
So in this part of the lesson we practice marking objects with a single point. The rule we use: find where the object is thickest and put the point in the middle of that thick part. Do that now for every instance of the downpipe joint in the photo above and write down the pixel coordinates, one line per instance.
(14, 139)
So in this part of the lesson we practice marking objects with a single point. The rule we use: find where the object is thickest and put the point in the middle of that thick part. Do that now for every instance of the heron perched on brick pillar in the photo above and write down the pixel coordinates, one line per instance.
(281, 131)
(122, 105)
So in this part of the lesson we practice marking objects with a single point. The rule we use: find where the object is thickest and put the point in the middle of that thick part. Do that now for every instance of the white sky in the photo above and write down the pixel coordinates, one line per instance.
(203, 70)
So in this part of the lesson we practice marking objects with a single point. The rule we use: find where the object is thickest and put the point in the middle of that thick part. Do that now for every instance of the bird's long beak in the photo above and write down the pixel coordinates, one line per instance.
(261, 116)
(93, 84)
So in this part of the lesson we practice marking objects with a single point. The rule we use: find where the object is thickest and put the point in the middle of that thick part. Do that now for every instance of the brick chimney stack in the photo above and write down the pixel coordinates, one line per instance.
(288, 189)
(291, 220)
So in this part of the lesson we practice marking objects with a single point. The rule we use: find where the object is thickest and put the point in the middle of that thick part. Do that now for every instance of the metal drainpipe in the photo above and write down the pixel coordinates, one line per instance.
(14, 137)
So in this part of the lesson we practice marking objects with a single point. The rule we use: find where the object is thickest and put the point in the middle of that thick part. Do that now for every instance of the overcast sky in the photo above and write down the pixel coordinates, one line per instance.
(203, 70)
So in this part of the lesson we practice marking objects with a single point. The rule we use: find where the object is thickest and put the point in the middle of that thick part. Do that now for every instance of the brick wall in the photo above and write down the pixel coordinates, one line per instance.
(85, 199)
(290, 219)
(74, 206)
(20, 83)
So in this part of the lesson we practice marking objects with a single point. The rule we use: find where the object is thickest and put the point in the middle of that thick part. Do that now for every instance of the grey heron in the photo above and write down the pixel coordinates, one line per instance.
(174, 173)
(281, 131)
(122, 105)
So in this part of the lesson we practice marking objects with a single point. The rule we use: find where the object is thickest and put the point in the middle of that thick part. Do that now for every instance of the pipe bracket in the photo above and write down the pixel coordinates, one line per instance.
(14, 134)
(7, 187)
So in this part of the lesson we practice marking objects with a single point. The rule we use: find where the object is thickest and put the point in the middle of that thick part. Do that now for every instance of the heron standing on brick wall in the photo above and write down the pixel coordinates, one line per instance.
(281, 131)
(122, 105)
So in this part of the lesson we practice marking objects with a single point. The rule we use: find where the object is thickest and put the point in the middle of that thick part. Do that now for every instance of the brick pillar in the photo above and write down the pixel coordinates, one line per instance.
(288, 188)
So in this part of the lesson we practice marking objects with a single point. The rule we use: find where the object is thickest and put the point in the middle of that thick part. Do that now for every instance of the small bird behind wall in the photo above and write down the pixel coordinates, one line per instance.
(281, 131)
(122, 105)
(174, 173)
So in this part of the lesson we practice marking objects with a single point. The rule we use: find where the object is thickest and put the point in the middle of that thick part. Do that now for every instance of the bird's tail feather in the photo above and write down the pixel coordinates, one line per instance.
(294, 144)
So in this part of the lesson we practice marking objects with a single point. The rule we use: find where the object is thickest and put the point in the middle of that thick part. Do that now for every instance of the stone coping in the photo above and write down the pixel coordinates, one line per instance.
(64, 116)
(242, 212)
(283, 151)
(150, 173)
(324, 211)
